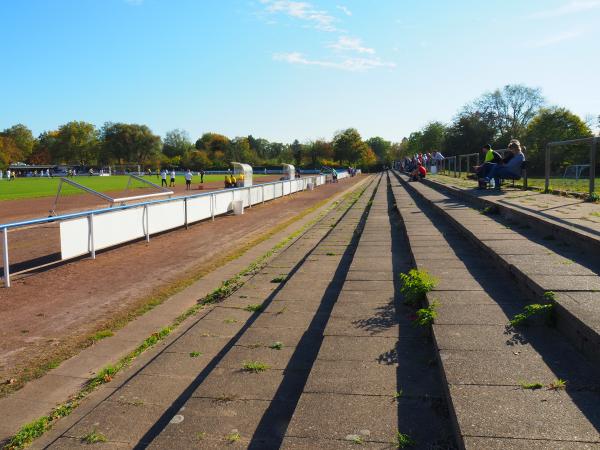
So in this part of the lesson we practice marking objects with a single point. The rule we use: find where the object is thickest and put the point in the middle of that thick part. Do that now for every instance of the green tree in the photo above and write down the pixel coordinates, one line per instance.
(22, 138)
(76, 142)
(556, 124)
(432, 137)
(319, 151)
(213, 142)
(130, 143)
(380, 147)
(348, 146)
(297, 151)
(508, 110)
(468, 133)
(414, 144)
(176, 143)
(9, 152)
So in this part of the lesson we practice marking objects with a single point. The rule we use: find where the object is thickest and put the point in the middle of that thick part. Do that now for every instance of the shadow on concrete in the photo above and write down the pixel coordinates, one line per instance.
(272, 427)
(557, 353)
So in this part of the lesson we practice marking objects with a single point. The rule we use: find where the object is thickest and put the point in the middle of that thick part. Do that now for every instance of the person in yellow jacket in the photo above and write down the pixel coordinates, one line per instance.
(233, 181)
(241, 179)
(227, 181)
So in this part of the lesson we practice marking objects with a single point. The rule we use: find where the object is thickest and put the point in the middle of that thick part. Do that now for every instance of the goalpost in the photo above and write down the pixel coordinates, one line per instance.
(162, 192)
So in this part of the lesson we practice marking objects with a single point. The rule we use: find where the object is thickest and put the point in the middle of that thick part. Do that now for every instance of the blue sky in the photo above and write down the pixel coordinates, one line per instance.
(288, 69)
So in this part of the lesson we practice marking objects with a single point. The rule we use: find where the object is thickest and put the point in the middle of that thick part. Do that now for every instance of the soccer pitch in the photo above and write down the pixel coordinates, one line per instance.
(30, 187)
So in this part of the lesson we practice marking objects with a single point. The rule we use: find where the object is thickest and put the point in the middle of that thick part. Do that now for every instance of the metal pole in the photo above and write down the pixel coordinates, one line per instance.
(185, 208)
(593, 166)
(91, 231)
(147, 224)
(547, 170)
(212, 206)
(6, 264)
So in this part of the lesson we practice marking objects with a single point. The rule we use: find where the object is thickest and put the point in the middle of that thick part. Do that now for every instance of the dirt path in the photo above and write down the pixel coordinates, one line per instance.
(32, 208)
(48, 314)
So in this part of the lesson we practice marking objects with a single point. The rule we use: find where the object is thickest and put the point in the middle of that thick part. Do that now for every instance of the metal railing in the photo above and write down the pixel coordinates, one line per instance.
(91, 214)
(577, 160)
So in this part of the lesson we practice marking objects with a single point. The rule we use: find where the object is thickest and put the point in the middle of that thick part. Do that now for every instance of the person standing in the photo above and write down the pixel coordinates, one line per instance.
(172, 183)
(163, 176)
(201, 176)
(188, 180)
(8, 174)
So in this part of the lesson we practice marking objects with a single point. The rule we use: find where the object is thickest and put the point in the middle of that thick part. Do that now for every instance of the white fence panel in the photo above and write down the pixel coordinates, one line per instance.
(166, 216)
(256, 194)
(223, 202)
(74, 238)
(116, 227)
(269, 192)
(199, 208)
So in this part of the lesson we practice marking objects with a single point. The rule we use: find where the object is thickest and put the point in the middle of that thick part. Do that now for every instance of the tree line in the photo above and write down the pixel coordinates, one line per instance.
(81, 143)
(512, 112)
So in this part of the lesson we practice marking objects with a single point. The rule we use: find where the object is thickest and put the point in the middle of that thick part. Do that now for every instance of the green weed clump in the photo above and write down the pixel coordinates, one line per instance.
(415, 284)
(529, 311)
(254, 366)
(93, 437)
(426, 316)
(531, 386)
(403, 440)
(254, 308)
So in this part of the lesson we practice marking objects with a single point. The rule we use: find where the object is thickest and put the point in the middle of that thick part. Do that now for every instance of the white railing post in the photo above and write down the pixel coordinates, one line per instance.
(263, 193)
(213, 201)
(185, 207)
(91, 236)
(249, 198)
(147, 220)
(5, 259)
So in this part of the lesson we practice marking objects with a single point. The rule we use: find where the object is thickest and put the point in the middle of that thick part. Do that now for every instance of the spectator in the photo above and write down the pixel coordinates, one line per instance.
(511, 169)
(489, 157)
(188, 180)
(419, 173)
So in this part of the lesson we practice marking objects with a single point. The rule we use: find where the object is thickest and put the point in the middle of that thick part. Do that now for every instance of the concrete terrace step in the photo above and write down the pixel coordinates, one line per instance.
(539, 262)
(572, 220)
(170, 398)
(484, 362)
(370, 351)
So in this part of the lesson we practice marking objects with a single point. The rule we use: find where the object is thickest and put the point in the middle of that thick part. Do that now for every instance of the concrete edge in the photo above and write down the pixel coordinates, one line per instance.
(571, 234)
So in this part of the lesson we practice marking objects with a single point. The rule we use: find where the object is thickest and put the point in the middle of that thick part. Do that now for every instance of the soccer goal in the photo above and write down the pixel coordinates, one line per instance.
(112, 201)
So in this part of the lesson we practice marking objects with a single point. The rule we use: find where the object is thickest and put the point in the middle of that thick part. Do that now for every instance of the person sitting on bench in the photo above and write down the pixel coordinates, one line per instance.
(509, 170)
(489, 157)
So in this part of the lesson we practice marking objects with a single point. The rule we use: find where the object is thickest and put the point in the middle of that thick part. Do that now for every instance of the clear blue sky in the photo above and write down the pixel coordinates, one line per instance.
(288, 69)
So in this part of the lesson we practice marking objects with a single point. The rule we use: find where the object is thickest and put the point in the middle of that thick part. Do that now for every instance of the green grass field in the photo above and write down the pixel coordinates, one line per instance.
(22, 188)
(556, 183)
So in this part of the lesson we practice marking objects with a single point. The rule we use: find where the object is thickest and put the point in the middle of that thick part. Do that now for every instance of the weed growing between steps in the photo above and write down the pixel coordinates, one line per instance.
(33, 430)
(536, 309)
(415, 285)
(426, 316)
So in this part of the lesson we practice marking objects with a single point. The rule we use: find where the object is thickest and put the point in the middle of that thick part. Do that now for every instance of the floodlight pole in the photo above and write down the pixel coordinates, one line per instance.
(547, 169)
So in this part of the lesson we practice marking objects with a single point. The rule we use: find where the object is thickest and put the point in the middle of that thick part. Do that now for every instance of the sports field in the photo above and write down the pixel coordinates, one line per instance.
(22, 188)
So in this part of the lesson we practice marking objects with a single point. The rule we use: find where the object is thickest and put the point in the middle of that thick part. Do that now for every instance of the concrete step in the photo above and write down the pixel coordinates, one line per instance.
(370, 351)
(485, 362)
(172, 397)
(540, 263)
(572, 228)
